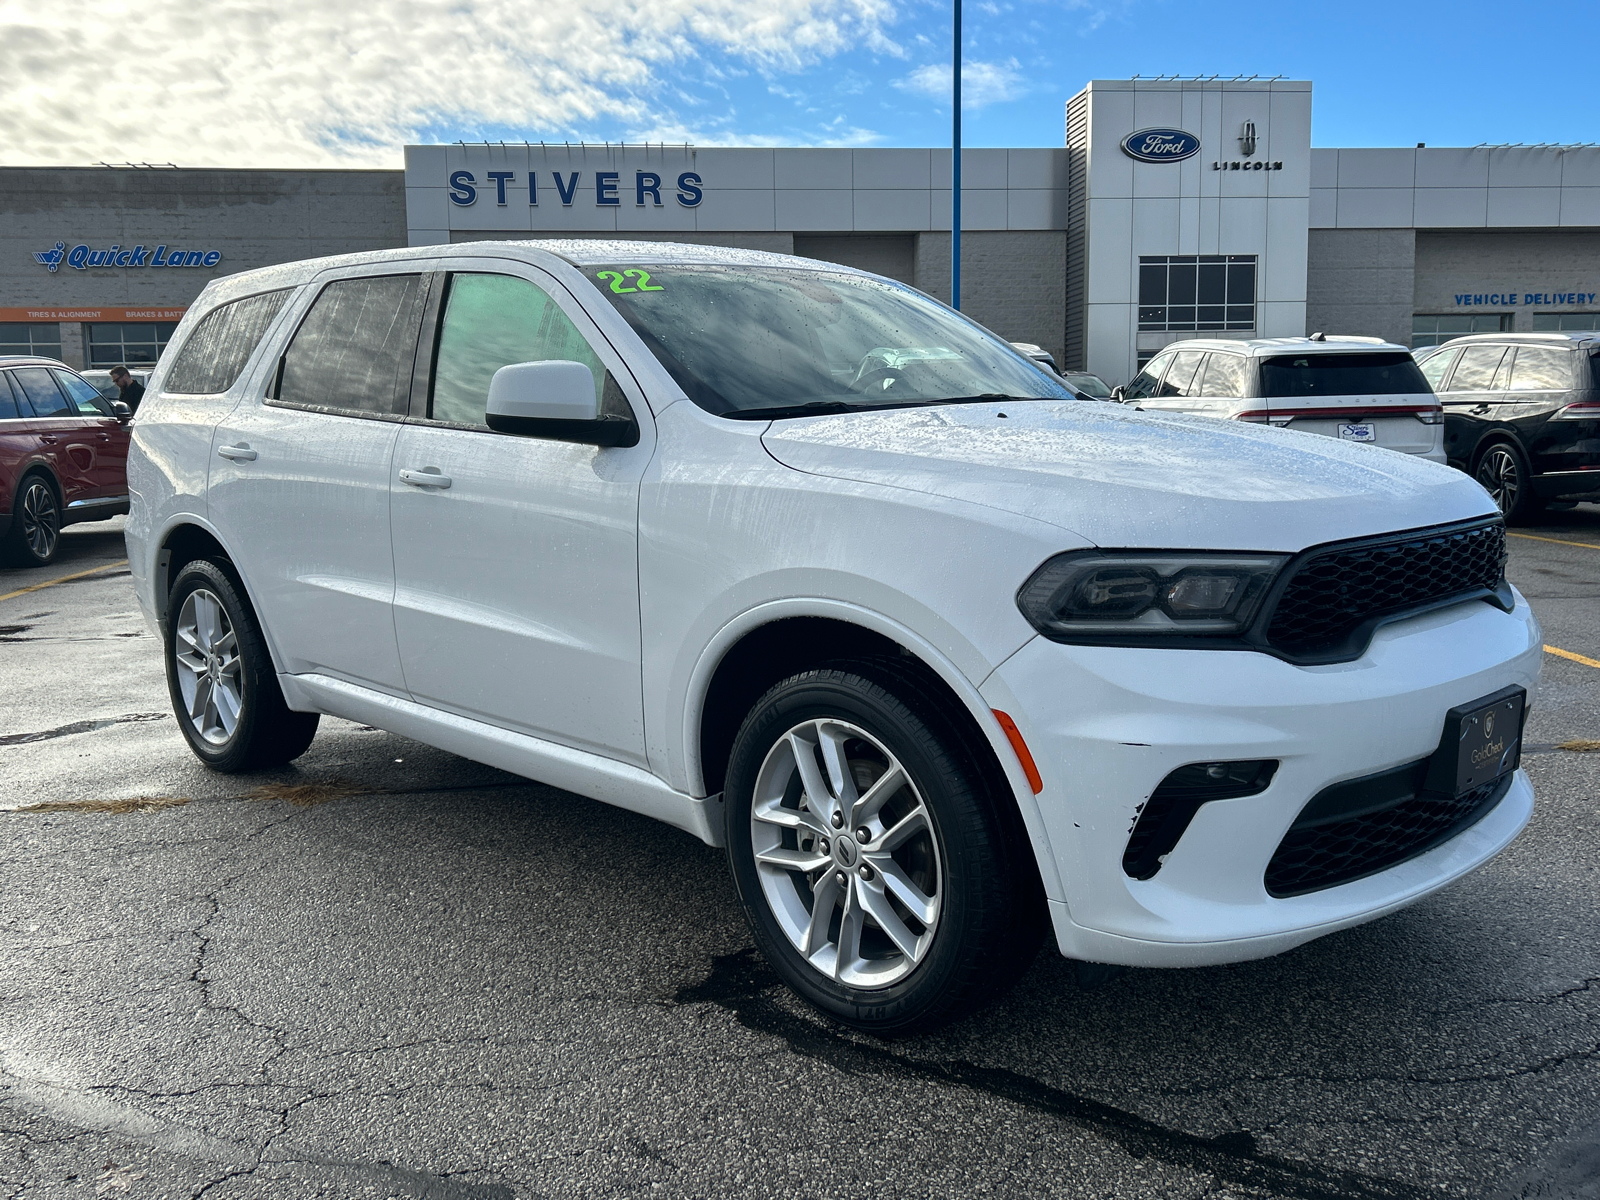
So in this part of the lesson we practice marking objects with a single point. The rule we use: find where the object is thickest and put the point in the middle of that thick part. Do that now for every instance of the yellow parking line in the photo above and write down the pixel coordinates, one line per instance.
(1534, 537)
(64, 579)
(1559, 653)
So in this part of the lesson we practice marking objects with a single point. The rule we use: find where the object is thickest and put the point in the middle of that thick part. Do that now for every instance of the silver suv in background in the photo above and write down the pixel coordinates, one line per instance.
(1355, 388)
(1522, 415)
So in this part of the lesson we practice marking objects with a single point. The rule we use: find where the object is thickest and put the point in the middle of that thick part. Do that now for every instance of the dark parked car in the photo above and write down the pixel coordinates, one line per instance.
(1522, 414)
(63, 456)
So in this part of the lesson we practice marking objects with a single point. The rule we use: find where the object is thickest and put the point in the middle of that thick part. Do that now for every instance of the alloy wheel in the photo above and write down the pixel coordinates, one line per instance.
(847, 854)
(41, 521)
(209, 668)
(1501, 477)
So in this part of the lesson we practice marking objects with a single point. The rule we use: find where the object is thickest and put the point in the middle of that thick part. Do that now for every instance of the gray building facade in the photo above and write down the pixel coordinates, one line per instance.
(1205, 191)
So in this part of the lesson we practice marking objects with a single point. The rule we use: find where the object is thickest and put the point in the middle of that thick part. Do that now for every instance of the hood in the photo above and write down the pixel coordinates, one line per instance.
(1124, 479)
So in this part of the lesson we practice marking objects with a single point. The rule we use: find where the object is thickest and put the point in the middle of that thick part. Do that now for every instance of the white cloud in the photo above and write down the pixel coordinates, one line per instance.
(331, 83)
(982, 83)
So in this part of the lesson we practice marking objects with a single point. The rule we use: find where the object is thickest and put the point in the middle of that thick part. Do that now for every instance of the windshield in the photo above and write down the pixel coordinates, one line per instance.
(750, 341)
(1390, 373)
(1089, 385)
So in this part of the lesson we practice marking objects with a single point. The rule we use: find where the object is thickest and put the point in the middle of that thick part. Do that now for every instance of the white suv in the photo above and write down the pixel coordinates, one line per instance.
(1358, 389)
(798, 560)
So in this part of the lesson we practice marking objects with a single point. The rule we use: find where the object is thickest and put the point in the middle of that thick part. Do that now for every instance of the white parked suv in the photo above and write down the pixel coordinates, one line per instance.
(1359, 389)
(800, 561)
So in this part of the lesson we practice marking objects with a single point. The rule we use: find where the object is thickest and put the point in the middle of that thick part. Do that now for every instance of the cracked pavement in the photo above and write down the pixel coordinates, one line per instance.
(428, 978)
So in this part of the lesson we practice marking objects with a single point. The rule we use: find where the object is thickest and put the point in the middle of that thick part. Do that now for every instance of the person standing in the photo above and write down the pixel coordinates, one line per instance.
(130, 390)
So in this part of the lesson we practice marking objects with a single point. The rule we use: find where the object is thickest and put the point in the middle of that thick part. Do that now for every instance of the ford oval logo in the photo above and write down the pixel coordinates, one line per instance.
(1161, 145)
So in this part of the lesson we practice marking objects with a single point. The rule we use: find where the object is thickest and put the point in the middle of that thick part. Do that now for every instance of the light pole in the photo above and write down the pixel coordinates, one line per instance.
(955, 168)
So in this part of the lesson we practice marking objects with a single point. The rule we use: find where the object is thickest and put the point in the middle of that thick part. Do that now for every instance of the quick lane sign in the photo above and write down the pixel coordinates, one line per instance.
(82, 257)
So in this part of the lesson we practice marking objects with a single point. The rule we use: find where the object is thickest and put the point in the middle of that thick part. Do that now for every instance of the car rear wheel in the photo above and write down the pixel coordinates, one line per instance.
(872, 868)
(224, 690)
(1503, 472)
(35, 524)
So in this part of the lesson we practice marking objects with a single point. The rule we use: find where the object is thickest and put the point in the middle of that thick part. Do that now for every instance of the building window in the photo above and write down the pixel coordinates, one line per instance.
(128, 343)
(1191, 292)
(1429, 330)
(43, 340)
(1563, 322)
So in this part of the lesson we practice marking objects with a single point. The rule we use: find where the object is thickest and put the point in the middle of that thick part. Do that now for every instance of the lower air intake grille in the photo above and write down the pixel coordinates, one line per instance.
(1321, 854)
(1336, 592)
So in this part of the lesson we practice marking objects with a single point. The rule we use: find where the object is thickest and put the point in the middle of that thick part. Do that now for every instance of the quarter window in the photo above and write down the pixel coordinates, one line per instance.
(492, 321)
(356, 347)
(1197, 291)
(43, 396)
(212, 357)
(1224, 376)
(1541, 369)
(1477, 369)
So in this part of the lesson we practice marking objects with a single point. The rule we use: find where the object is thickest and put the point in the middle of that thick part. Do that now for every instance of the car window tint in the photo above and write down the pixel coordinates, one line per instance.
(1224, 376)
(1090, 385)
(1477, 368)
(212, 357)
(1389, 373)
(39, 386)
(1180, 375)
(492, 321)
(1541, 369)
(1437, 366)
(1145, 383)
(8, 404)
(83, 395)
(355, 349)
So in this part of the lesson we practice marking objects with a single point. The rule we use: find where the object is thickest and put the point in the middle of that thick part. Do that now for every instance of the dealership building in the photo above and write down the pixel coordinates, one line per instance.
(1174, 208)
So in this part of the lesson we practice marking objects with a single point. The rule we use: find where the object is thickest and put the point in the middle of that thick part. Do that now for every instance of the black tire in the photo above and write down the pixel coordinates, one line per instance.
(35, 532)
(264, 732)
(1502, 470)
(984, 933)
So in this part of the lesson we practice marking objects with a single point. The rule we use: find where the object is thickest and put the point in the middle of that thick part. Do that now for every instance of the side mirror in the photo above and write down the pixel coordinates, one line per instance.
(120, 410)
(1117, 394)
(553, 399)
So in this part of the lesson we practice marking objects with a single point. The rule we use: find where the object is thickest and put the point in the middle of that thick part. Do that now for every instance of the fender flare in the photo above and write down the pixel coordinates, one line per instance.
(966, 691)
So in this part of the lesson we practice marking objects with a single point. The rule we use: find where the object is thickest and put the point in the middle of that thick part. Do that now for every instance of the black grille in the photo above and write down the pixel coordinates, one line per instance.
(1335, 596)
(1163, 818)
(1320, 855)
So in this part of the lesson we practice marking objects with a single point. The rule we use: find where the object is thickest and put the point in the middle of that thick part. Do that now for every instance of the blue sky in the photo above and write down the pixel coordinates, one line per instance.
(1385, 74)
(331, 84)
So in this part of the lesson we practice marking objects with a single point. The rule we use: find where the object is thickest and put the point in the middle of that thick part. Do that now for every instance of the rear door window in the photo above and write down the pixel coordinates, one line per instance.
(39, 388)
(356, 347)
(1541, 369)
(492, 321)
(1435, 369)
(1476, 371)
(1306, 376)
(212, 357)
(1224, 376)
(1180, 377)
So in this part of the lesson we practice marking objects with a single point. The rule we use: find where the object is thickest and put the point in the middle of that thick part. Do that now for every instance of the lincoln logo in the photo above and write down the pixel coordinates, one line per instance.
(1160, 145)
(1247, 139)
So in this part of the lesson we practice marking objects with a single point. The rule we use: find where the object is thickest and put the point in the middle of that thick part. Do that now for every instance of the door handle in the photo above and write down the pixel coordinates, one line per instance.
(105, 437)
(1479, 410)
(49, 439)
(241, 452)
(428, 477)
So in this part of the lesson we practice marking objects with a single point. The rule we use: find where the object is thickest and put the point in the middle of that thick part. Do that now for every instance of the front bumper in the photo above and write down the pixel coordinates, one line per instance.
(1106, 725)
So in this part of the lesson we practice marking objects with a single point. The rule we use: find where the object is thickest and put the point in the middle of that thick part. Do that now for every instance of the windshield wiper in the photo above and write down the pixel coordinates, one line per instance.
(821, 408)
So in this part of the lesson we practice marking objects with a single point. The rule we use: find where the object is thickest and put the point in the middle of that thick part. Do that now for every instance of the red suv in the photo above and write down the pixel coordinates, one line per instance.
(63, 456)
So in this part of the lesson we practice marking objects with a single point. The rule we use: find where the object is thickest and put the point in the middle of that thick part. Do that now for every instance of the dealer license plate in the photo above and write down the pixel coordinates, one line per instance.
(1358, 433)
(1488, 738)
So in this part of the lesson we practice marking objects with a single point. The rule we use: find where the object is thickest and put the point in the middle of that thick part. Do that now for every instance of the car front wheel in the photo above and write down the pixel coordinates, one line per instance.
(224, 690)
(871, 866)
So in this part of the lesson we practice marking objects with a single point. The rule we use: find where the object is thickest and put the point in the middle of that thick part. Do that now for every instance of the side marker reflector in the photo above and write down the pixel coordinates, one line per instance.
(1014, 736)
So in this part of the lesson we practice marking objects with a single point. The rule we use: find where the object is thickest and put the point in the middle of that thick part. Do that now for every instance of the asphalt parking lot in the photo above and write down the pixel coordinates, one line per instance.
(392, 972)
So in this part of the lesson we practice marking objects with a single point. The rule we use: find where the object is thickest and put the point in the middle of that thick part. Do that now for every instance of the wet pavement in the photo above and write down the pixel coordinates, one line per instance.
(387, 971)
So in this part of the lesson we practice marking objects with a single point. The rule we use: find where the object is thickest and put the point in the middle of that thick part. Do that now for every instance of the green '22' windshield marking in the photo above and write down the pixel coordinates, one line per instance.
(642, 278)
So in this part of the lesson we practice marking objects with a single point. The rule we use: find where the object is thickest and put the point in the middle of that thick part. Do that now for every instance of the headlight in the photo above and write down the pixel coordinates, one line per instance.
(1087, 595)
